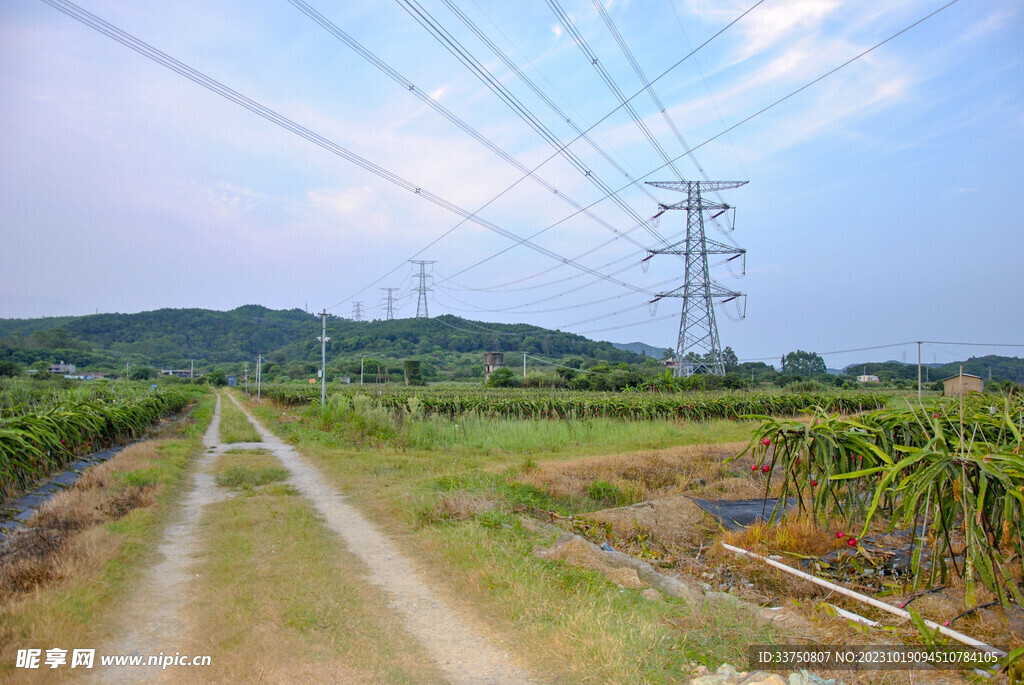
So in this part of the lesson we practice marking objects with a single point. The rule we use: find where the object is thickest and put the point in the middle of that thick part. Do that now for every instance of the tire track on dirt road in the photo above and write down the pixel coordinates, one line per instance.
(461, 650)
(152, 618)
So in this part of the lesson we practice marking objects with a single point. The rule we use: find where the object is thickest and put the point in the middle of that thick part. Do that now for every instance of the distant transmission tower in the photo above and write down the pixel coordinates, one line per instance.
(357, 311)
(422, 289)
(698, 332)
(391, 300)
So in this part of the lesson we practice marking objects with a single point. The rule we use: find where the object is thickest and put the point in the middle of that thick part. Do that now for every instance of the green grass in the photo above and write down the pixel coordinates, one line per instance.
(475, 433)
(234, 426)
(246, 470)
(445, 489)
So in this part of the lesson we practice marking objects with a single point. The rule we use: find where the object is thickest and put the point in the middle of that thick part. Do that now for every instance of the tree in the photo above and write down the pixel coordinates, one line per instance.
(503, 378)
(217, 378)
(729, 357)
(142, 373)
(802, 363)
(9, 368)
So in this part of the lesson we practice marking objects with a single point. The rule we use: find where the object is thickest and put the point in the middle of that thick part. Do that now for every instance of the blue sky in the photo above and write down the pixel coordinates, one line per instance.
(884, 203)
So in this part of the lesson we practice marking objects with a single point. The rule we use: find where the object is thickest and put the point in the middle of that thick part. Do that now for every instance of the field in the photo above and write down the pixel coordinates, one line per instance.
(497, 478)
(563, 404)
(42, 431)
(505, 500)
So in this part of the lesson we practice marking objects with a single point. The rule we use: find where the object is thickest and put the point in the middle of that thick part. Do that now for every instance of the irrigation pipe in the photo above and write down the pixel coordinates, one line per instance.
(958, 636)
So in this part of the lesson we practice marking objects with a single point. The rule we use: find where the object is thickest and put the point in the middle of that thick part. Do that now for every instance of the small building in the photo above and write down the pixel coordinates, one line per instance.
(492, 362)
(867, 378)
(84, 376)
(180, 373)
(233, 381)
(62, 368)
(962, 384)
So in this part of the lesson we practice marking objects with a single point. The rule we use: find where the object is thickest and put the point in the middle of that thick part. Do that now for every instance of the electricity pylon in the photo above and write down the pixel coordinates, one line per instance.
(357, 311)
(422, 289)
(391, 299)
(698, 331)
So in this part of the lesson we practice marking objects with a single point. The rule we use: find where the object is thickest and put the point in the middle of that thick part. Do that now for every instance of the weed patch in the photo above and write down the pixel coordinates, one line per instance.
(234, 426)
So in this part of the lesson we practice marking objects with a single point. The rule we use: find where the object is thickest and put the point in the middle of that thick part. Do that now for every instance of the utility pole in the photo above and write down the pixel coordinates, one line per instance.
(357, 311)
(323, 358)
(192, 368)
(919, 371)
(361, 360)
(391, 300)
(698, 331)
(524, 366)
(246, 372)
(422, 289)
(259, 376)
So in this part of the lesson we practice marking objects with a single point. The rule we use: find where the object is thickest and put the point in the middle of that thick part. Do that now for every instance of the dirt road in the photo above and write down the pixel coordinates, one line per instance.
(457, 646)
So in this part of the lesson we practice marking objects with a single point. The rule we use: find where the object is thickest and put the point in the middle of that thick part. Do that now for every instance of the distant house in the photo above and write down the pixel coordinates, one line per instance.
(85, 376)
(180, 373)
(867, 378)
(62, 368)
(962, 384)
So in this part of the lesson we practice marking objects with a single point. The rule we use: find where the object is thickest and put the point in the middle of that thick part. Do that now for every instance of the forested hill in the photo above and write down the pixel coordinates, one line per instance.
(991, 366)
(171, 337)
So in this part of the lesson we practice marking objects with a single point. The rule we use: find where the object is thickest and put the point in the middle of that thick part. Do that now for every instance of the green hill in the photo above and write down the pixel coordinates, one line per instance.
(171, 338)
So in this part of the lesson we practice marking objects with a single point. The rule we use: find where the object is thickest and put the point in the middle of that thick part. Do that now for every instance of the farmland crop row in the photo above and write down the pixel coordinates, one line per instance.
(38, 442)
(952, 474)
(521, 403)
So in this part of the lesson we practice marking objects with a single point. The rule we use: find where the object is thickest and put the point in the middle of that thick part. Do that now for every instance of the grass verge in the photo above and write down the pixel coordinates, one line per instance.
(81, 550)
(234, 427)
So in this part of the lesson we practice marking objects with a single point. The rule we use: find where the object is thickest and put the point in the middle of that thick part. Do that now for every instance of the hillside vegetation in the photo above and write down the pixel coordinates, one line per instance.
(172, 338)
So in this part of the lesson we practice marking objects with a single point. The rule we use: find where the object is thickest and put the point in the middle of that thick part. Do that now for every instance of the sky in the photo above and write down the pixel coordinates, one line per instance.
(883, 203)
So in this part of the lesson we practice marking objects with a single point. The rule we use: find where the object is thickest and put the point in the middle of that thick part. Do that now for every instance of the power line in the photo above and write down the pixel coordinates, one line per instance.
(638, 70)
(557, 152)
(219, 88)
(520, 109)
(408, 86)
(757, 113)
(745, 120)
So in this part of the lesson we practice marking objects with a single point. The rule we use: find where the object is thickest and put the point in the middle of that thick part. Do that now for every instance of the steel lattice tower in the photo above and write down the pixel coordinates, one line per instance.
(391, 300)
(698, 331)
(422, 289)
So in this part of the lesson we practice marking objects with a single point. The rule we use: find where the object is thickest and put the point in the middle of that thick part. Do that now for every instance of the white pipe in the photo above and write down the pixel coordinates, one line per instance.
(949, 632)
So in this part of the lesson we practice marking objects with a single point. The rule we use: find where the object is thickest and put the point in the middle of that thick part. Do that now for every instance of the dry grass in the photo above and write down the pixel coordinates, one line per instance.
(61, 575)
(652, 474)
(59, 542)
(671, 528)
(462, 506)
